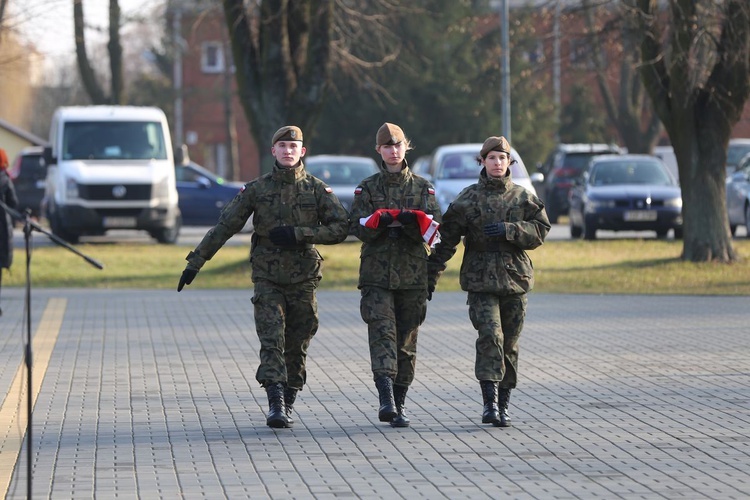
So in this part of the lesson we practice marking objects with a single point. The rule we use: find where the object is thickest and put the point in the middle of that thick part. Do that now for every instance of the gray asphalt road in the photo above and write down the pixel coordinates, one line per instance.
(191, 236)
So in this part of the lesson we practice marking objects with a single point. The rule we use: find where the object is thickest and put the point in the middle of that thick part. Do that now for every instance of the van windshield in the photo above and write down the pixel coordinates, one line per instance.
(465, 166)
(113, 141)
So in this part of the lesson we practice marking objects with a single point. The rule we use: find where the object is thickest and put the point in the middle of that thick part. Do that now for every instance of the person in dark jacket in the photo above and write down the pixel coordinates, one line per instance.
(7, 196)
(498, 221)
(391, 214)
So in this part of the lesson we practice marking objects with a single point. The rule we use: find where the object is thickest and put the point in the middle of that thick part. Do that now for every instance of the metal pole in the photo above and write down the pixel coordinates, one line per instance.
(556, 70)
(177, 77)
(505, 69)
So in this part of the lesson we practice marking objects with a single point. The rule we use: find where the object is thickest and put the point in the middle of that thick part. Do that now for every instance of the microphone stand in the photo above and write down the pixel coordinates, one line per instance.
(28, 227)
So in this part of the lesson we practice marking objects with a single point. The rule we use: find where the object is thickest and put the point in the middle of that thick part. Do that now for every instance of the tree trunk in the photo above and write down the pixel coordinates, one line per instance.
(699, 85)
(88, 77)
(114, 47)
(282, 62)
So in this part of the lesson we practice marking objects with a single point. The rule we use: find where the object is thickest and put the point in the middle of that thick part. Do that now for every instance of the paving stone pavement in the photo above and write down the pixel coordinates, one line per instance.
(152, 394)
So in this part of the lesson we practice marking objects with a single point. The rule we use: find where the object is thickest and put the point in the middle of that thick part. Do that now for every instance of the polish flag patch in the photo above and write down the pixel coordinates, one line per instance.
(431, 190)
(329, 190)
(242, 189)
(358, 190)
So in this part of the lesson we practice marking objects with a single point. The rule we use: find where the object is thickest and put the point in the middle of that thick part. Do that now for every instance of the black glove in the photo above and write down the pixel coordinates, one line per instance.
(283, 236)
(407, 217)
(495, 229)
(430, 289)
(188, 275)
(386, 219)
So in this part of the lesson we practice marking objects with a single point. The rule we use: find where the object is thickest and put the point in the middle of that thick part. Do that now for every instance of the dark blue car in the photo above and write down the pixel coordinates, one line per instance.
(202, 194)
(625, 193)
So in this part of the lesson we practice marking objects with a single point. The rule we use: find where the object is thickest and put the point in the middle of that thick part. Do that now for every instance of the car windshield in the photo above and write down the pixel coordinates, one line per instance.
(735, 152)
(465, 166)
(113, 141)
(341, 173)
(629, 172)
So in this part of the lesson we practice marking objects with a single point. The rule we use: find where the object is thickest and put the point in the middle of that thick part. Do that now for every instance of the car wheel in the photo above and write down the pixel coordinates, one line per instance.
(661, 233)
(732, 229)
(589, 230)
(57, 230)
(552, 214)
(575, 231)
(168, 235)
(678, 233)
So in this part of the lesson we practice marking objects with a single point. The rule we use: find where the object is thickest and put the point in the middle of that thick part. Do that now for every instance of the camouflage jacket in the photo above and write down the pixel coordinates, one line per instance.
(393, 257)
(283, 197)
(493, 264)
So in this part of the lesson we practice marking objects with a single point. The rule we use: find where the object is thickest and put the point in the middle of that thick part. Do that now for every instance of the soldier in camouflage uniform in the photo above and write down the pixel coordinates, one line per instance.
(292, 210)
(393, 268)
(499, 221)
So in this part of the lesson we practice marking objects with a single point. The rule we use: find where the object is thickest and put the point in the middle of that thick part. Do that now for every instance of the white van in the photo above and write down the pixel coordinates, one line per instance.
(110, 167)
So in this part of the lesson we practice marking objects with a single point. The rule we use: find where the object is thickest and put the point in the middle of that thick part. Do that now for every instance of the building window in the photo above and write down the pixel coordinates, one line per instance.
(212, 57)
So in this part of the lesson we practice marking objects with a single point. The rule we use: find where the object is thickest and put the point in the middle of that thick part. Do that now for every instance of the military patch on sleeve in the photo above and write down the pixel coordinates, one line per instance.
(242, 189)
(431, 190)
(358, 190)
(329, 190)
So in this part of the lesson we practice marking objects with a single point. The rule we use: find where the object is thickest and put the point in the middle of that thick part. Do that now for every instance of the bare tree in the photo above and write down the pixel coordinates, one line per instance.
(695, 64)
(284, 50)
(114, 48)
(631, 112)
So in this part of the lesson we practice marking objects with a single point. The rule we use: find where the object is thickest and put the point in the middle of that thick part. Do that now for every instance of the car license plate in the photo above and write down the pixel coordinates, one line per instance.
(640, 215)
(119, 222)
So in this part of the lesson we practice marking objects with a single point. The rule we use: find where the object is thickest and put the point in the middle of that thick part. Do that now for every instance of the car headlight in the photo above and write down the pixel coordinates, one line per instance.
(673, 202)
(593, 205)
(71, 188)
(161, 190)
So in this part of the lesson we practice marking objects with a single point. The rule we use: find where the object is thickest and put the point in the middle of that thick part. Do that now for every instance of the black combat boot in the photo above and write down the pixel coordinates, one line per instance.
(387, 410)
(503, 400)
(399, 395)
(491, 413)
(290, 394)
(276, 417)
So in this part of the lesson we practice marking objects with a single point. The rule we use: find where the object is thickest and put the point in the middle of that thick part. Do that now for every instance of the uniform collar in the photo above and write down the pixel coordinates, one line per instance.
(395, 177)
(288, 175)
(502, 183)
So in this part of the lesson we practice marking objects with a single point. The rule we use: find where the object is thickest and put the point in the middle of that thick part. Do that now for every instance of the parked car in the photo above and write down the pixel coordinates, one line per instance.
(28, 172)
(202, 194)
(342, 173)
(454, 166)
(736, 150)
(420, 165)
(666, 154)
(626, 192)
(561, 169)
(738, 196)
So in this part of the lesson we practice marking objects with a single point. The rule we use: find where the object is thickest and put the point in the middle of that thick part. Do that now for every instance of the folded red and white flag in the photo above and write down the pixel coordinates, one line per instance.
(427, 226)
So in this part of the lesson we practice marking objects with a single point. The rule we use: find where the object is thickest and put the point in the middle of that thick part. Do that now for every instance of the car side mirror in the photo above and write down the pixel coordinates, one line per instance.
(537, 178)
(47, 156)
(203, 182)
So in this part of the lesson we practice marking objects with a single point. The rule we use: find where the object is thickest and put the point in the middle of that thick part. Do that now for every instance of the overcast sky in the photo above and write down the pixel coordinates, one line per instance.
(48, 24)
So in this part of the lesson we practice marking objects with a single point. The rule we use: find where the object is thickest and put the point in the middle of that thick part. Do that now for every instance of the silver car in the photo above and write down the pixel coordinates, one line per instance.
(738, 196)
(453, 167)
(342, 173)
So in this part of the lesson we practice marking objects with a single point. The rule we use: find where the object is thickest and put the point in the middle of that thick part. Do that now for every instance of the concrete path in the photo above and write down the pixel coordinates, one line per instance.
(152, 394)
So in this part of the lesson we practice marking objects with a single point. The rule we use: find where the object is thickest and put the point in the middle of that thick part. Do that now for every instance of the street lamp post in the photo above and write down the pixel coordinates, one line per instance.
(505, 69)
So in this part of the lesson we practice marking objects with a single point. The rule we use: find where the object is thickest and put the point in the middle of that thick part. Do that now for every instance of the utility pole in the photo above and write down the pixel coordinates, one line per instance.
(556, 70)
(505, 69)
(179, 138)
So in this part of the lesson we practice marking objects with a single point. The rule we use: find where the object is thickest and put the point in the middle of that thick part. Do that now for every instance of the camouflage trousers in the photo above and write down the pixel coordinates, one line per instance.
(393, 318)
(499, 320)
(286, 319)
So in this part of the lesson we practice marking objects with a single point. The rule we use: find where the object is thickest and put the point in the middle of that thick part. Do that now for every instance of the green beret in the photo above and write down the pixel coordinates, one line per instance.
(389, 134)
(495, 143)
(287, 133)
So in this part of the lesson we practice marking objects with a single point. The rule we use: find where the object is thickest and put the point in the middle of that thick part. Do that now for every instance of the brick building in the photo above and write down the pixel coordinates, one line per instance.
(209, 117)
